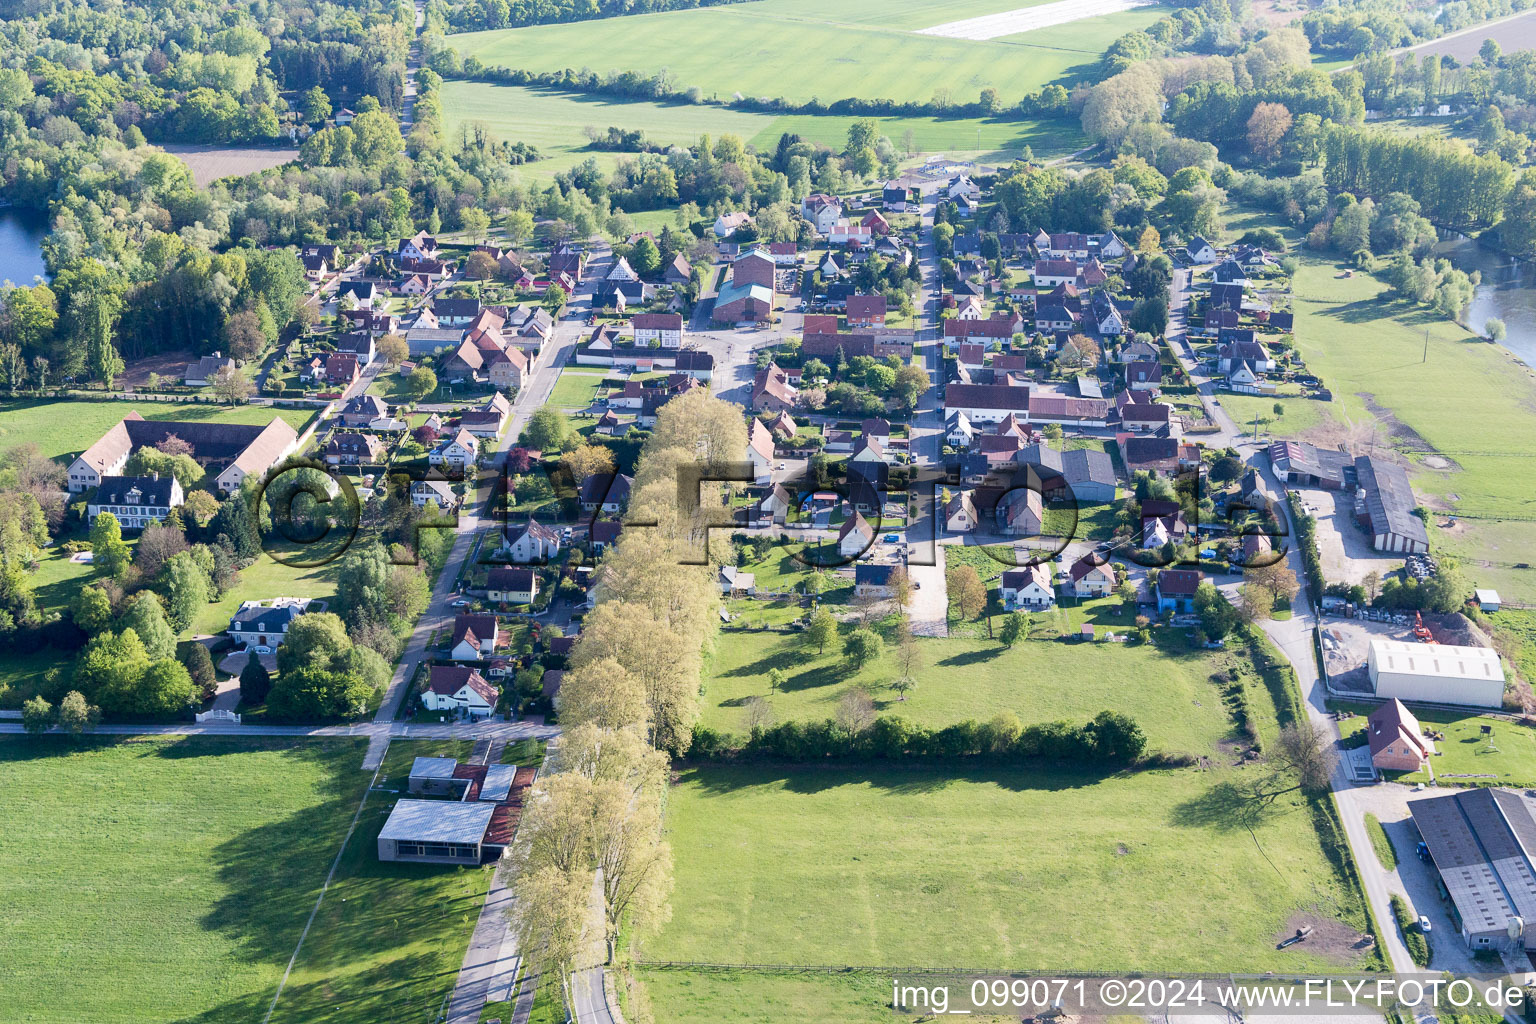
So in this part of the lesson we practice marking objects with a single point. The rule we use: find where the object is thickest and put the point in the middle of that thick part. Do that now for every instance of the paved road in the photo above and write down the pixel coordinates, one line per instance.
(508, 732)
(490, 963)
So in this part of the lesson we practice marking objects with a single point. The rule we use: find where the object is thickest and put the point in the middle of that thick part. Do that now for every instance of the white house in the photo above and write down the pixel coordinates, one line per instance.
(855, 537)
(664, 329)
(1027, 588)
(1088, 578)
(727, 223)
(823, 211)
(474, 637)
(1200, 251)
(760, 451)
(845, 231)
(440, 491)
(958, 430)
(458, 451)
(459, 688)
(531, 542)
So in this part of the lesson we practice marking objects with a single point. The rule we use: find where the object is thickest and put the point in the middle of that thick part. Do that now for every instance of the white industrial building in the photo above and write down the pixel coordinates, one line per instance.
(1436, 673)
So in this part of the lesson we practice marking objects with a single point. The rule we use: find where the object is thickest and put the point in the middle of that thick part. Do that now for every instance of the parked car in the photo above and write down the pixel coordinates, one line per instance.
(1424, 925)
(462, 602)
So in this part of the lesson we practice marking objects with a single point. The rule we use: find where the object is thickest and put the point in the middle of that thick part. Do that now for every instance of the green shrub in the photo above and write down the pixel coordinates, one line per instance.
(1416, 941)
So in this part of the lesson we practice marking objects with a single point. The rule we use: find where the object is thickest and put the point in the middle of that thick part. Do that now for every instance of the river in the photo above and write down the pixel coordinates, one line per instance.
(21, 244)
(1508, 291)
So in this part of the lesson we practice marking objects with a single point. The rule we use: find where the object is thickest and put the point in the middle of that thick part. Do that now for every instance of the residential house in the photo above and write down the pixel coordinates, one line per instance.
(606, 491)
(202, 372)
(414, 285)
(1020, 512)
(265, 623)
(823, 211)
(727, 223)
(420, 246)
(1028, 588)
(866, 311)
(1153, 454)
(876, 223)
(359, 344)
(458, 688)
(489, 419)
(733, 581)
(775, 504)
(531, 542)
(1136, 352)
(1049, 273)
(458, 452)
(1175, 590)
(663, 329)
(958, 430)
(1200, 251)
(474, 637)
(1146, 417)
(455, 312)
(346, 448)
(678, 272)
(1144, 376)
(511, 585)
(696, 363)
(986, 403)
(960, 513)
(1068, 245)
(1088, 578)
(845, 231)
(620, 270)
(855, 536)
(894, 197)
(1397, 742)
(772, 391)
(136, 501)
(1230, 272)
(341, 369)
(873, 581)
(760, 451)
(783, 426)
(439, 491)
(362, 293)
(602, 534)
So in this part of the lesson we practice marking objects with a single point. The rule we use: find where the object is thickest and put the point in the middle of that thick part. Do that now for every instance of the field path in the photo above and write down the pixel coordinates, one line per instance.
(1027, 19)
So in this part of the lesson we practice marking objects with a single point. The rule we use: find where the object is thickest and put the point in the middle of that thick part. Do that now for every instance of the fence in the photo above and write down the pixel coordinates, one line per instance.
(218, 716)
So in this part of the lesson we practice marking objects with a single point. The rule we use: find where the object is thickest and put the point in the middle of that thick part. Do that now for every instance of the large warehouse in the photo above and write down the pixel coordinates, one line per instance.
(1436, 673)
(1482, 842)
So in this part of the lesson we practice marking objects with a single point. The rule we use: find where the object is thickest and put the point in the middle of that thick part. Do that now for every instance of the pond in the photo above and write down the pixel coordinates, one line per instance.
(1507, 291)
(21, 244)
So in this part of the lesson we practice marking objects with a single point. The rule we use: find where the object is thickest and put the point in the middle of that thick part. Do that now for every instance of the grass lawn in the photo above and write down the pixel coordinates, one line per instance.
(393, 388)
(968, 866)
(1381, 843)
(389, 938)
(575, 391)
(1465, 751)
(264, 578)
(1170, 695)
(865, 48)
(163, 880)
(553, 121)
(63, 427)
(1470, 402)
(1301, 414)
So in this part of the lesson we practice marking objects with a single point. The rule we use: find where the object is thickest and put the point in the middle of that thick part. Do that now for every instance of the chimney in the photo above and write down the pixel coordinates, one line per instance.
(154, 475)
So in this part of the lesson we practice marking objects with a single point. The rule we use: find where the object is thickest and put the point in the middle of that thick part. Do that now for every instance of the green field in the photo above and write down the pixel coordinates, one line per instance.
(63, 428)
(575, 391)
(265, 578)
(1301, 414)
(1170, 695)
(163, 880)
(990, 868)
(865, 48)
(1510, 760)
(1469, 402)
(554, 122)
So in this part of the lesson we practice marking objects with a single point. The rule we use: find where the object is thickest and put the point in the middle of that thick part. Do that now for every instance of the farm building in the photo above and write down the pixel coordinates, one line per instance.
(1384, 505)
(1437, 673)
(1481, 842)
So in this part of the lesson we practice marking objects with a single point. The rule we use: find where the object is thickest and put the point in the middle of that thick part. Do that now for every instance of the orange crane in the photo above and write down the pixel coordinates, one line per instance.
(1421, 631)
